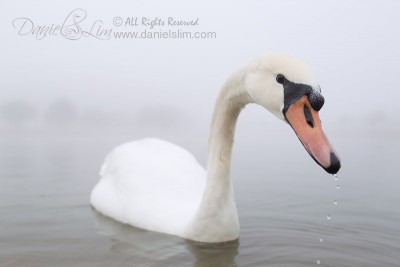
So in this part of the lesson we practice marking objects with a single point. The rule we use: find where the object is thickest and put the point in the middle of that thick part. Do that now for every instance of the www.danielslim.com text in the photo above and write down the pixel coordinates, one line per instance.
(170, 34)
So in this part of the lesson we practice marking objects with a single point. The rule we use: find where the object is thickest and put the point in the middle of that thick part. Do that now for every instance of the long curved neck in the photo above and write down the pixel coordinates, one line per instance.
(230, 102)
(216, 218)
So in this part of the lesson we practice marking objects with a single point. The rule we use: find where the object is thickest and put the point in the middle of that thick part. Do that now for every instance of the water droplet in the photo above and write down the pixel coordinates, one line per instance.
(335, 202)
(338, 186)
(318, 262)
(321, 240)
(328, 217)
(335, 177)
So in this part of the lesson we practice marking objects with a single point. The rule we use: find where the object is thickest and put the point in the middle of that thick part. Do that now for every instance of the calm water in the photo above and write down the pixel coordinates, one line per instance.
(282, 196)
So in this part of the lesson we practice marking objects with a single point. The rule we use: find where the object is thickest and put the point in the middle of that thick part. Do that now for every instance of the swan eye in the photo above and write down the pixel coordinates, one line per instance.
(280, 78)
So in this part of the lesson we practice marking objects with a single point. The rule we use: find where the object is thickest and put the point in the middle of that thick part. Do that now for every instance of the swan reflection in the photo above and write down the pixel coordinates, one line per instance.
(145, 248)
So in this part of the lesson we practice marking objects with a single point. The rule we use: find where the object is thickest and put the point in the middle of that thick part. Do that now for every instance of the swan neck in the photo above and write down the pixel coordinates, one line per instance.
(232, 98)
(216, 219)
(230, 102)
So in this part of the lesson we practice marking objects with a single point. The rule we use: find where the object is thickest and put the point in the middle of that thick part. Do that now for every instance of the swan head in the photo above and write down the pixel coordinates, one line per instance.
(287, 87)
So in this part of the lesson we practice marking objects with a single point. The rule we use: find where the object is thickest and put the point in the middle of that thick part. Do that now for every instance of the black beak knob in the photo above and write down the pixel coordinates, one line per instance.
(316, 100)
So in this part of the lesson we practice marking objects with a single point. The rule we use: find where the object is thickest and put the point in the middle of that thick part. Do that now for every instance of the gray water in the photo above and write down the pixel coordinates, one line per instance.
(283, 200)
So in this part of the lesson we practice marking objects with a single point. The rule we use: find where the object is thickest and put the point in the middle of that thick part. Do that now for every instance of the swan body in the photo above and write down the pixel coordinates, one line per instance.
(169, 189)
(158, 186)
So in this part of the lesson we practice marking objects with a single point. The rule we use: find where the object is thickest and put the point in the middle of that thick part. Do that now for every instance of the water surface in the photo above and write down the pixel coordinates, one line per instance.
(283, 200)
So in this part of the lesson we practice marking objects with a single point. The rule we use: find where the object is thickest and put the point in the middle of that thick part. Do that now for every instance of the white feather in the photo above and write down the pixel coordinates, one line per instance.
(158, 186)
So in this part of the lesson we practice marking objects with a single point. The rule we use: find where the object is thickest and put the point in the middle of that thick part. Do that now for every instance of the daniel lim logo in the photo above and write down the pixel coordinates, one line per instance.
(72, 28)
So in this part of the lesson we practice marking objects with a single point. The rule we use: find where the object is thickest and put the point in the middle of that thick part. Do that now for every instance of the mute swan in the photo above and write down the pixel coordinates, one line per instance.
(158, 186)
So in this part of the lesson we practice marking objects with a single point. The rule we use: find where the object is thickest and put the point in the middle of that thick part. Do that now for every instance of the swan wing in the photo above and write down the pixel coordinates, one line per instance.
(151, 184)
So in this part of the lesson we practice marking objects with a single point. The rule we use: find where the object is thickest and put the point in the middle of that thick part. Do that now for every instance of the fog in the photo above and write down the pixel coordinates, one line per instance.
(69, 94)
(352, 46)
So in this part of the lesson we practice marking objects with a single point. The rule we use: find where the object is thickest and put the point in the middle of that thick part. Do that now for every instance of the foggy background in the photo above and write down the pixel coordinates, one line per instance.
(88, 83)
(132, 88)
(126, 89)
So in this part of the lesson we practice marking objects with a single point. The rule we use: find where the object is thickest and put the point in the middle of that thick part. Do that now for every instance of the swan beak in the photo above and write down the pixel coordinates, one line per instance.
(306, 123)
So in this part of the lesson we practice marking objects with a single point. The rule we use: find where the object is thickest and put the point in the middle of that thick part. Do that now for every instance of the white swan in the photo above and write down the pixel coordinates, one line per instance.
(158, 186)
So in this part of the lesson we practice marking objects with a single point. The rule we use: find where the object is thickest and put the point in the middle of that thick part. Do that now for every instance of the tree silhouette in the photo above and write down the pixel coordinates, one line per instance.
(17, 112)
(60, 112)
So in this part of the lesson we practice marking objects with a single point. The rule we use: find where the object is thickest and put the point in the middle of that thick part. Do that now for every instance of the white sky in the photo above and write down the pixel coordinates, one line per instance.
(353, 46)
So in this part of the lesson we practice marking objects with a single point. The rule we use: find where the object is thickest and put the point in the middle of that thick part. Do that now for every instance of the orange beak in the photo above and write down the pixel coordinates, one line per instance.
(307, 125)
